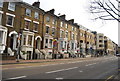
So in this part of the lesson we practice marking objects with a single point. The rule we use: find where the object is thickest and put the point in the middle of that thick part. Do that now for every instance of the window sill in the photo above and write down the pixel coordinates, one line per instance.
(2, 44)
(9, 25)
(35, 31)
(26, 29)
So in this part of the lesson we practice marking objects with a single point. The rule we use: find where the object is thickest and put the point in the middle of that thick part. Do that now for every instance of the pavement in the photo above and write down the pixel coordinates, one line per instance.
(5, 62)
(104, 68)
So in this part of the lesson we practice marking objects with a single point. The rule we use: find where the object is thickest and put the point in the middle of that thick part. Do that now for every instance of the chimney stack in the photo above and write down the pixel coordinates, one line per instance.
(52, 11)
(71, 21)
(36, 4)
(62, 16)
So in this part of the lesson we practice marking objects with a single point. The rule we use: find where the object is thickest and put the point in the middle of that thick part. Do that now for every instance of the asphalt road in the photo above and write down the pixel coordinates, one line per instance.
(95, 68)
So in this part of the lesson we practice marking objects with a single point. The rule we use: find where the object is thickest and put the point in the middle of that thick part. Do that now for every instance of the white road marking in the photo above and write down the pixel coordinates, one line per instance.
(80, 71)
(61, 70)
(17, 77)
(71, 68)
(90, 64)
(62, 63)
(59, 78)
(74, 62)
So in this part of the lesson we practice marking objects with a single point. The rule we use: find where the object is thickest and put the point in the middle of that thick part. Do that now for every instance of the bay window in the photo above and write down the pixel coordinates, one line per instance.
(50, 43)
(1, 37)
(30, 40)
(24, 39)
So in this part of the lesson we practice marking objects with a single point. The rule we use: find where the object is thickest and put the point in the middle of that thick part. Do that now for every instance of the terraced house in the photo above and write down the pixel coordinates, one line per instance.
(28, 32)
(50, 33)
(100, 43)
(31, 29)
(3, 30)
(23, 27)
(82, 39)
(9, 27)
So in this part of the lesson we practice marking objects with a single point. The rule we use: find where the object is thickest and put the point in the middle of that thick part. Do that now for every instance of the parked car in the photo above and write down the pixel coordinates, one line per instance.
(118, 55)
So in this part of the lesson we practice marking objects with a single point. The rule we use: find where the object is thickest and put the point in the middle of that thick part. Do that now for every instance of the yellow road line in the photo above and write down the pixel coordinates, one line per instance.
(109, 78)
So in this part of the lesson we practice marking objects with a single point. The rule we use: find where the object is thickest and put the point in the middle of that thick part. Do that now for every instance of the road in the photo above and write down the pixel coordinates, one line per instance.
(94, 68)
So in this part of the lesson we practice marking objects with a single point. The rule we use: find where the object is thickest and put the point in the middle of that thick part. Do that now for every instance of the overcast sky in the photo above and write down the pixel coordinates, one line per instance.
(78, 10)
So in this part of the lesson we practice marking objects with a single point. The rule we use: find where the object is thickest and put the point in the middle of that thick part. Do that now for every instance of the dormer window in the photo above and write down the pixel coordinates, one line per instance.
(28, 12)
(11, 6)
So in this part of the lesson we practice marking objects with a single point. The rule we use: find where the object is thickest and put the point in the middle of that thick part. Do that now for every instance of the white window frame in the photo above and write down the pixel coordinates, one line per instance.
(11, 6)
(66, 25)
(61, 24)
(47, 19)
(8, 14)
(54, 22)
(66, 34)
(0, 18)
(28, 11)
(37, 24)
(61, 33)
(1, 4)
(36, 15)
(53, 29)
(72, 28)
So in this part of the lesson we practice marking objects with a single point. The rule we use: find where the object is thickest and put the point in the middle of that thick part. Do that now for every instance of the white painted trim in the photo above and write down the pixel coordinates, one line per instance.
(36, 22)
(9, 25)
(47, 25)
(13, 32)
(3, 28)
(61, 30)
(53, 27)
(27, 19)
(10, 14)
(26, 29)
(1, 12)
(38, 37)
(66, 31)
(35, 31)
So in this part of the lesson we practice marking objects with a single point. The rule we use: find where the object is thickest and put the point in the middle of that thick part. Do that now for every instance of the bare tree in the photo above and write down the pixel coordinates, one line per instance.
(105, 9)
